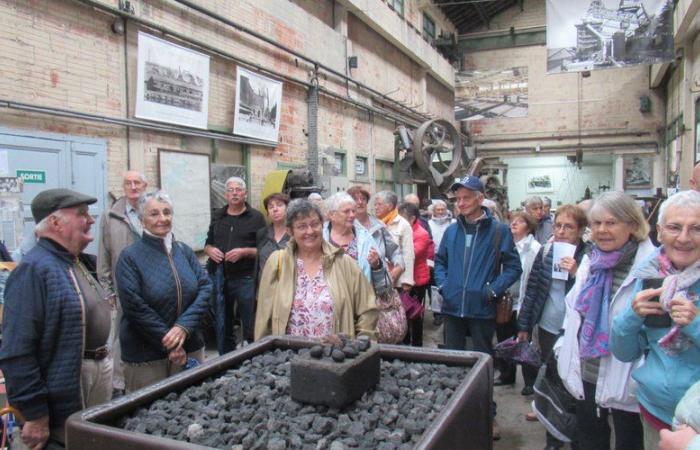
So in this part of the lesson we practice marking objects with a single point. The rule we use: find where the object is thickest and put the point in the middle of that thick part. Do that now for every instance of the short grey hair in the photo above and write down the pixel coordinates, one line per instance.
(439, 202)
(624, 208)
(533, 201)
(43, 226)
(335, 201)
(300, 208)
(141, 175)
(156, 195)
(388, 197)
(685, 199)
(546, 201)
(238, 180)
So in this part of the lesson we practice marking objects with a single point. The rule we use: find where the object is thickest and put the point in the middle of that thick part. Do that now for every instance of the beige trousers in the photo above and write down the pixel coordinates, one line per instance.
(138, 375)
(651, 436)
(96, 381)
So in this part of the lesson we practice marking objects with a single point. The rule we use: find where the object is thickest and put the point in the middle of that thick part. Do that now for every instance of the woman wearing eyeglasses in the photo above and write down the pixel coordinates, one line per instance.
(312, 288)
(604, 285)
(661, 320)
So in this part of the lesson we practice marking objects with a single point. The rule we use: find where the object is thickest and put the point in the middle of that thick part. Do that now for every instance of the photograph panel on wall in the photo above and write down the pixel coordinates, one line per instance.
(537, 184)
(258, 106)
(602, 34)
(491, 94)
(638, 172)
(172, 83)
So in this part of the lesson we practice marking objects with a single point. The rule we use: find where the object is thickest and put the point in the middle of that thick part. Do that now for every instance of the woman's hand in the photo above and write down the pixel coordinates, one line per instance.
(523, 336)
(373, 259)
(178, 356)
(676, 440)
(683, 311)
(568, 264)
(643, 306)
(395, 273)
(174, 338)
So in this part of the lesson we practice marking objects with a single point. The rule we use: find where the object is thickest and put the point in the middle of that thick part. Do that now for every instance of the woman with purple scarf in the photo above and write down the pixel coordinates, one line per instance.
(663, 323)
(599, 381)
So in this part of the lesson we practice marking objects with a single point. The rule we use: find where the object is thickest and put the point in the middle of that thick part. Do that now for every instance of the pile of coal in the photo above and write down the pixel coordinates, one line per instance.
(250, 408)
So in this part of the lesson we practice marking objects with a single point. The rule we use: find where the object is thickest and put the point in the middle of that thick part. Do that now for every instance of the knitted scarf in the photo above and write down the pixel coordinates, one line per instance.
(391, 216)
(593, 303)
(676, 285)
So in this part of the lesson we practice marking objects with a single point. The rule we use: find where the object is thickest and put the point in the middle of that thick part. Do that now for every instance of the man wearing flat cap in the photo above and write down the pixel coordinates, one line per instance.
(56, 322)
(475, 264)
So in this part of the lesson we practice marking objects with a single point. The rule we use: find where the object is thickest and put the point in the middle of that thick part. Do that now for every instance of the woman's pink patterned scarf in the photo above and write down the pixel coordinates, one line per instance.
(676, 285)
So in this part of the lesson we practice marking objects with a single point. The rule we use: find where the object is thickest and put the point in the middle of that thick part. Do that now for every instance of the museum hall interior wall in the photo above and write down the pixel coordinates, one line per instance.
(601, 112)
(63, 54)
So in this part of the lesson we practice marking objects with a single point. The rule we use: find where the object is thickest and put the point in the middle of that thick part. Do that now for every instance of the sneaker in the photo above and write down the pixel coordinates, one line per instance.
(496, 431)
(527, 390)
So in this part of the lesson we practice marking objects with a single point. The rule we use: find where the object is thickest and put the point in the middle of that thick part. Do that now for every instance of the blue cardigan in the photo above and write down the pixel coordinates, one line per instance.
(148, 293)
(462, 270)
(42, 345)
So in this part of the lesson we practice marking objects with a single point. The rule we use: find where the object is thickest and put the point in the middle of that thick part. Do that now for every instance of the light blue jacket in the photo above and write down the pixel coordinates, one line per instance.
(688, 413)
(365, 242)
(662, 379)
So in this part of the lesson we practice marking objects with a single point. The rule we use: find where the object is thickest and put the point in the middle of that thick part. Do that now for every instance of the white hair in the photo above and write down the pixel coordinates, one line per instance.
(439, 202)
(43, 226)
(142, 177)
(685, 199)
(334, 202)
(237, 180)
(156, 195)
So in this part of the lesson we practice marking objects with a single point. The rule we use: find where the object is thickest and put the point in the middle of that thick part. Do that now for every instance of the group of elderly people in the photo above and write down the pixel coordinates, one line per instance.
(623, 325)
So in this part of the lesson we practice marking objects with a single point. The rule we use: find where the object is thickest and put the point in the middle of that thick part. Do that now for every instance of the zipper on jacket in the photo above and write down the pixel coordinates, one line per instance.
(469, 267)
(76, 286)
(178, 287)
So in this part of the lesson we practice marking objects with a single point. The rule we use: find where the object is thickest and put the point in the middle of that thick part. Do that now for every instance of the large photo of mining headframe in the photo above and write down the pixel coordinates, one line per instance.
(602, 34)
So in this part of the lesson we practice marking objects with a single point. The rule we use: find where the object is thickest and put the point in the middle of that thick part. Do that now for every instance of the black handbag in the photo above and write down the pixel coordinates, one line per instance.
(553, 405)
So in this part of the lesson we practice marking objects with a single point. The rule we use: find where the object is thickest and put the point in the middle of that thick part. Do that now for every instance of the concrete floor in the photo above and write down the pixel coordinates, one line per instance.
(516, 432)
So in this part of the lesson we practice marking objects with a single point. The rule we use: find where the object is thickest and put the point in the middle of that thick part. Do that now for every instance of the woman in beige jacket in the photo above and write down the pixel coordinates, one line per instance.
(312, 288)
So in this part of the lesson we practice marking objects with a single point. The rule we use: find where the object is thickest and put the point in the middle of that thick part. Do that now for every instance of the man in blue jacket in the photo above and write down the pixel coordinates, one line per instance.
(471, 272)
(56, 322)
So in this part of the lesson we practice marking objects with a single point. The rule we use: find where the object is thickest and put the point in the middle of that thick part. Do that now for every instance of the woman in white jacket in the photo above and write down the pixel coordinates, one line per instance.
(600, 382)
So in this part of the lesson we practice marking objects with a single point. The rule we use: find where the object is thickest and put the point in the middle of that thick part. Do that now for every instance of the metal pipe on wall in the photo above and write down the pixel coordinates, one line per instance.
(312, 114)
(181, 37)
(317, 64)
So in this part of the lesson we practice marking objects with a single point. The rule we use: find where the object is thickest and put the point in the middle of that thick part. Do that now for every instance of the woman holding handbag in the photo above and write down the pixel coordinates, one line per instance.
(424, 249)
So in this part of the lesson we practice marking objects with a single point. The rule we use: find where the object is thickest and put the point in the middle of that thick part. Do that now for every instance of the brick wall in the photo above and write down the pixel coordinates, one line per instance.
(59, 53)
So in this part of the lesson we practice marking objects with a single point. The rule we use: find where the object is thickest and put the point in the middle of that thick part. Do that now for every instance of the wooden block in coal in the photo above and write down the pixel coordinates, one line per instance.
(334, 384)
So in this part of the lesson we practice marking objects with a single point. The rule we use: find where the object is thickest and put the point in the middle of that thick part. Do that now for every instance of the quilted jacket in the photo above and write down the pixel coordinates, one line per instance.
(157, 291)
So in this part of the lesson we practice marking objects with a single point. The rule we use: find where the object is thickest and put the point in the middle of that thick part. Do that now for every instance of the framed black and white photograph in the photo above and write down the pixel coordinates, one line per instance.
(258, 103)
(638, 172)
(602, 34)
(491, 94)
(537, 184)
(172, 83)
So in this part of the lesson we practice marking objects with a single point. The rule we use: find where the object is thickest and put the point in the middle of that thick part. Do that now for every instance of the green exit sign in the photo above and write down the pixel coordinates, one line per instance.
(32, 176)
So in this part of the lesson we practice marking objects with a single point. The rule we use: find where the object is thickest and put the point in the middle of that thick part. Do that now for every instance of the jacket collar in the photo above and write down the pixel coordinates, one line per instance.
(223, 211)
(485, 219)
(118, 209)
(56, 248)
(155, 241)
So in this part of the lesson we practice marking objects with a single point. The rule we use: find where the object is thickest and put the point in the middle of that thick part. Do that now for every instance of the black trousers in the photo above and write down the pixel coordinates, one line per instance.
(593, 429)
(414, 331)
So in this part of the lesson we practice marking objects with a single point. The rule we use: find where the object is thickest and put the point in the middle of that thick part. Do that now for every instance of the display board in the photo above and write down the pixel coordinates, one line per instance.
(184, 176)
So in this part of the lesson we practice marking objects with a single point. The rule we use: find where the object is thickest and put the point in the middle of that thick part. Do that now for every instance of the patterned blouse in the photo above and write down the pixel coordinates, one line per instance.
(350, 249)
(312, 307)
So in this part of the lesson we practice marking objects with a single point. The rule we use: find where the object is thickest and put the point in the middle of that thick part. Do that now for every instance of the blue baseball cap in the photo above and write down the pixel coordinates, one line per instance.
(469, 182)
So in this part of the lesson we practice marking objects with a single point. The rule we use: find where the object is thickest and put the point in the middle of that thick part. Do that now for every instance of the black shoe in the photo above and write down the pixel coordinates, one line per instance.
(527, 390)
(552, 447)
(116, 393)
(500, 382)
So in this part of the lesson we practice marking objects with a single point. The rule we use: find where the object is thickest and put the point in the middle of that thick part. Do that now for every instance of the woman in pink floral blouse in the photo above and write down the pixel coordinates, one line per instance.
(312, 288)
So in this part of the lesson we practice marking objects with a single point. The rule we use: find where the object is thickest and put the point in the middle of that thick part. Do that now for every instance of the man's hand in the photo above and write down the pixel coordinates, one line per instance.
(174, 338)
(35, 433)
(523, 336)
(683, 311)
(568, 264)
(178, 356)
(643, 306)
(214, 253)
(239, 253)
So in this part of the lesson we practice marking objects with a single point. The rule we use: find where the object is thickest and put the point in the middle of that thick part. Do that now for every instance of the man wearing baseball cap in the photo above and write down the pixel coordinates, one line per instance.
(475, 264)
(56, 322)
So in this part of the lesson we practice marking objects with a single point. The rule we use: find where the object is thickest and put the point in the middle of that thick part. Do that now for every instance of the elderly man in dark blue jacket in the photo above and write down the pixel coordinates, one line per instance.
(476, 263)
(57, 322)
